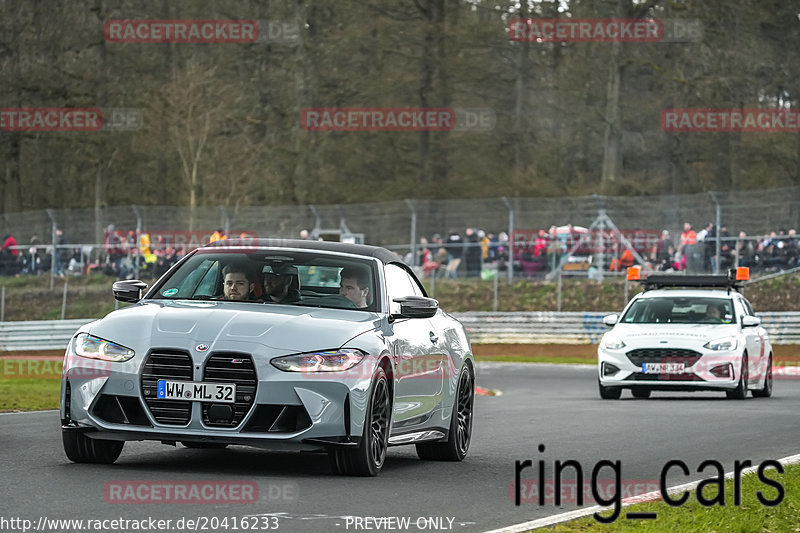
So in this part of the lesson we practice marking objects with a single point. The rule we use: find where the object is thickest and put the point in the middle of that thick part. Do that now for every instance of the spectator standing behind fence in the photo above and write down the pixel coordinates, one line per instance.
(472, 253)
(708, 237)
(744, 251)
(691, 256)
(114, 249)
(792, 249)
(31, 260)
(688, 237)
(664, 251)
(455, 250)
(725, 251)
(9, 256)
(61, 254)
(484, 243)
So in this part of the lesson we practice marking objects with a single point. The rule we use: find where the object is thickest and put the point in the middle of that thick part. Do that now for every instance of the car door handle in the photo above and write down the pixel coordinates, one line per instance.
(434, 338)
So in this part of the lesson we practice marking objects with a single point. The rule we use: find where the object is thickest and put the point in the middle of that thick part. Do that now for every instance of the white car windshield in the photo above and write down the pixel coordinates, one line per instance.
(680, 310)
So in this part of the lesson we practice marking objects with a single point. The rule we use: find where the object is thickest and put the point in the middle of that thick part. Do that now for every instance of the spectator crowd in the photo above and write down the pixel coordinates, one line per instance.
(475, 253)
(574, 249)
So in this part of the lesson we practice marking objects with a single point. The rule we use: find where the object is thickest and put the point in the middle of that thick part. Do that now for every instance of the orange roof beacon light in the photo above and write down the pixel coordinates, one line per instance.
(742, 274)
(634, 273)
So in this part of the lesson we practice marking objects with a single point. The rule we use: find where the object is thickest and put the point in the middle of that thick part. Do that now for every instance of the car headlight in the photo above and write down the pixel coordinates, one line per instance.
(322, 361)
(612, 343)
(96, 348)
(723, 344)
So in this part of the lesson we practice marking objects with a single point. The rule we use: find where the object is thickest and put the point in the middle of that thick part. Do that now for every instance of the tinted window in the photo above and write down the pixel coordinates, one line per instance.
(680, 310)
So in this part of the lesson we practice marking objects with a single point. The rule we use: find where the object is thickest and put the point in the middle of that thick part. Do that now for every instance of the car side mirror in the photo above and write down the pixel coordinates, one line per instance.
(129, 290)
(750, 321)
(416, 307)
(610, 320)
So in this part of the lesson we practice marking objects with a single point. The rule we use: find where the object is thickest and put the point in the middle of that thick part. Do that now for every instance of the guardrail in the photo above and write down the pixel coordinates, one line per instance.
(38, 334)
(538, 327)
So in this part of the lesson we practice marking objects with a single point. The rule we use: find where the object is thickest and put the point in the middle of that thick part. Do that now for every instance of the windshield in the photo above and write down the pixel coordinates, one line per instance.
(680, 310)
(275, 277)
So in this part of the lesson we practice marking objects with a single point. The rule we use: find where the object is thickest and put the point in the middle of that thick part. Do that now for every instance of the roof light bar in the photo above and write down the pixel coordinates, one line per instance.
(731, 281)
(634, 273)
(742, 274)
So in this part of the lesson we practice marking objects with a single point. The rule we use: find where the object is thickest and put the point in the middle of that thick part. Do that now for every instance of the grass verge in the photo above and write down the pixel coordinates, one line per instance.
(750, 516)
(29, 394)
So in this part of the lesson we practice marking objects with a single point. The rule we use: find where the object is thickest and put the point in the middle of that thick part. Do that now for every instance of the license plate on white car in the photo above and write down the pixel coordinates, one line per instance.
(196, 391)
(663, 368)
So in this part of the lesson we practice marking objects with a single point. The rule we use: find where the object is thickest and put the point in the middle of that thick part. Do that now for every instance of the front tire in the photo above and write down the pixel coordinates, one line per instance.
(640, 393)
(766, 390)
(368, 458)
(740, 392)
(609, 393)
(81, 449)
(457, 444)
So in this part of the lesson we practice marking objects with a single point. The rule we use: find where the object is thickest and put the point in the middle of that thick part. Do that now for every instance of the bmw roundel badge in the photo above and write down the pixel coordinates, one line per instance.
(201, 347)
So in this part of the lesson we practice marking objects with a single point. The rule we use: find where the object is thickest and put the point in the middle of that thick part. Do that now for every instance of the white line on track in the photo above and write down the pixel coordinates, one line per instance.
(650, 496)
(31, 412)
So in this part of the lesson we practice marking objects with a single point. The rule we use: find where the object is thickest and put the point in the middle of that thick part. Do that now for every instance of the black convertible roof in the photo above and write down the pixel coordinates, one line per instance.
(382, 254)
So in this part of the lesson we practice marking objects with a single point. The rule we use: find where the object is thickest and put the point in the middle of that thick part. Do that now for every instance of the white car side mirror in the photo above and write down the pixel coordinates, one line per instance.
(610, 320)
(750, 321)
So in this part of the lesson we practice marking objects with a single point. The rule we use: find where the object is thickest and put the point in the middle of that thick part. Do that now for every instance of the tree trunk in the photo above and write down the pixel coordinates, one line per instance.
(520, 95)
(613, 133)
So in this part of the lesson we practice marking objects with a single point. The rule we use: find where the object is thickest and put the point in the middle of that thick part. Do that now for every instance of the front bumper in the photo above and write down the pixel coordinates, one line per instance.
(280, 411)
(703, 369)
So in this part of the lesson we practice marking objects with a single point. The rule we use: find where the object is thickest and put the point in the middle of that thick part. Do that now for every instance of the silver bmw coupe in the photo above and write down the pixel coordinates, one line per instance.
(277, 344)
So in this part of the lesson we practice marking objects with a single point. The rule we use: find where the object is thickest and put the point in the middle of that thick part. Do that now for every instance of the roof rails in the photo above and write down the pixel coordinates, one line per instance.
(734, 280)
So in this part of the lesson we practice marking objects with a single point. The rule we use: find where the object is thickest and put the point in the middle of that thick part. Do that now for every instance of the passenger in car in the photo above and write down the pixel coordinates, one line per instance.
(281, 284)
(237, 282)
(354, 286)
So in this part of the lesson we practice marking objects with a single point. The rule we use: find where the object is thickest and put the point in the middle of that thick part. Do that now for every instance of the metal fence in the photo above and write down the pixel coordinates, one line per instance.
(483, 328)
(402, 222)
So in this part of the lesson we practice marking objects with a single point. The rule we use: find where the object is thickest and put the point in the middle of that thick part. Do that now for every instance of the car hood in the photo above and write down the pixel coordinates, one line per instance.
(186, 323)
(637, 335)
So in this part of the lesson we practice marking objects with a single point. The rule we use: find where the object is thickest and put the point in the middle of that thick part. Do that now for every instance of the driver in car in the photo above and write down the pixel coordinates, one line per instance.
(237, 282)
(281, 284)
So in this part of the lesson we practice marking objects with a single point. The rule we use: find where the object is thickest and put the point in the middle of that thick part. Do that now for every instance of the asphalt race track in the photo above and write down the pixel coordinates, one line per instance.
(557, 406)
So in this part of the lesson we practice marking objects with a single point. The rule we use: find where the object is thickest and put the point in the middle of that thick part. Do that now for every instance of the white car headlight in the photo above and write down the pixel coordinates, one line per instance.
(93, 347)
(612, 343)
(722, 344)
(322, 361)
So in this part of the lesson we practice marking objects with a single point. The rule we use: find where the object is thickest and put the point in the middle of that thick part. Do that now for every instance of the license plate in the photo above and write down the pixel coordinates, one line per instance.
(196, 391)
(663, 368)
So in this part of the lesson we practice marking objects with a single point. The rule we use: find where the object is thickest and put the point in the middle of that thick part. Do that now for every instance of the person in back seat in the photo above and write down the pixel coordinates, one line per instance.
(281, 284)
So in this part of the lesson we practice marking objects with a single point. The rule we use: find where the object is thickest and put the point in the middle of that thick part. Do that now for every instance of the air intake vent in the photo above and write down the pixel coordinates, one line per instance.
(166, 364)
(120, 410)
(230, 368)
(278, 419)
(663, 355)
